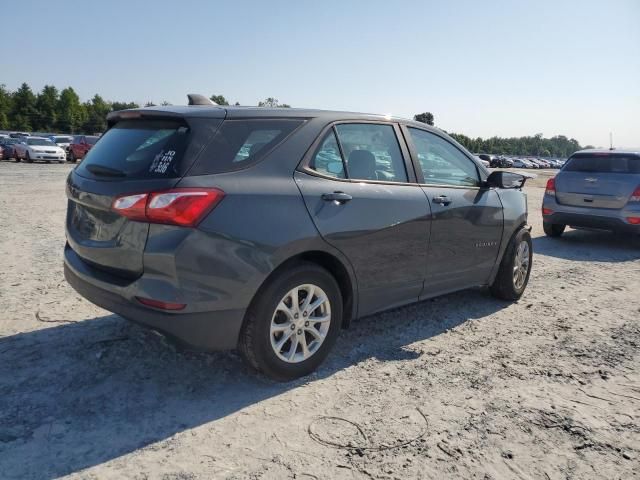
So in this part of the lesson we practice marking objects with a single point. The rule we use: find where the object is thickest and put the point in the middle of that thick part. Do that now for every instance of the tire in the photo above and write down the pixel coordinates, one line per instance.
(258, 342)
(27, 158)
(553, 229)
(510, 284)
(72, 157)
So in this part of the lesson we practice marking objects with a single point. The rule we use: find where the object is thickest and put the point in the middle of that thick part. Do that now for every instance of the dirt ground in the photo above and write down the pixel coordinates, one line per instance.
(463, 386)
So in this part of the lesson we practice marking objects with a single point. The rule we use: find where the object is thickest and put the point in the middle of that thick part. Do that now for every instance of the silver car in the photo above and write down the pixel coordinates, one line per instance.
(594, 189)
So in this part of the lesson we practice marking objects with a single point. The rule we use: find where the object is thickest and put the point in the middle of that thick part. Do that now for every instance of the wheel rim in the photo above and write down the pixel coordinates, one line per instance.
(521, 265)
(300, 323)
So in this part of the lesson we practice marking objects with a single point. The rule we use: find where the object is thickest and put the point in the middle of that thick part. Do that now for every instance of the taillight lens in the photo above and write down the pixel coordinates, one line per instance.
(633, 220)
(551, 187)
(185, 207)
(635, 196)
(546, 211)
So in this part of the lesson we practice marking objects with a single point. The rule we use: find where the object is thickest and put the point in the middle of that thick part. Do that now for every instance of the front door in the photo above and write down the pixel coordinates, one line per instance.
(467, 219)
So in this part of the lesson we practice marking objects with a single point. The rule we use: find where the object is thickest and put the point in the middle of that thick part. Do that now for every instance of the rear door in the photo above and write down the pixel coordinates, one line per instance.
(134, 156)
(360, 195)
(467, 220)
(598, 180)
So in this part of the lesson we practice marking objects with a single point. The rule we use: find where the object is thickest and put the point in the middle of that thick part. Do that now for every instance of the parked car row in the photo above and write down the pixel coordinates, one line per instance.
(501, 161)
(59, 148)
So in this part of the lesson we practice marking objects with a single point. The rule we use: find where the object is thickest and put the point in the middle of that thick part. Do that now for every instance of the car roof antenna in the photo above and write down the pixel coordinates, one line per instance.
(197, 99)
(611, 147)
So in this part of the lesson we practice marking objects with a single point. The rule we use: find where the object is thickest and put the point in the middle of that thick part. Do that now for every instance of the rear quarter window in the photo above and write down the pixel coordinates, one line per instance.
(239, 144)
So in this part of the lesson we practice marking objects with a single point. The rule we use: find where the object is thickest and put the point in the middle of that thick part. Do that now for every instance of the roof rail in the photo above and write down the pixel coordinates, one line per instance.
(197, 99)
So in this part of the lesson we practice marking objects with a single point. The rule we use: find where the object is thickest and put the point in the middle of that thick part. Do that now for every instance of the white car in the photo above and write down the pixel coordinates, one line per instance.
(63, 141)
(38, 148)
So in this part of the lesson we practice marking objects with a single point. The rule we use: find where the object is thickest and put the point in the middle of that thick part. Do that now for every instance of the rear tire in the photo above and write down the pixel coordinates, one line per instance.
(553, 229)
(72, 157)
(515, 268)
(27, 158)
(270, 329)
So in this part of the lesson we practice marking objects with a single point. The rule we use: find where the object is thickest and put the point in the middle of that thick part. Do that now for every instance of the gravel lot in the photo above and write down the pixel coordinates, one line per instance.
(460, 386)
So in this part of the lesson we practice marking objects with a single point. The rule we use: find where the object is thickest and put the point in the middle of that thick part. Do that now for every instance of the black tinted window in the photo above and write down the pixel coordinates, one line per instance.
(603, 163)
(327, 159)
(371, 152)
(241, 143)
(138, 149)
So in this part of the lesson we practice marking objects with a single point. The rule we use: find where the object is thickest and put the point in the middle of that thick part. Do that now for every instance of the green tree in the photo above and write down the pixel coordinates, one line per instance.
(116, 106)
(47, 107)
(271, 102)
(71, 115)
(219, 99)
(5, 107)
(426, 117)
(97, 110)
(24, 108)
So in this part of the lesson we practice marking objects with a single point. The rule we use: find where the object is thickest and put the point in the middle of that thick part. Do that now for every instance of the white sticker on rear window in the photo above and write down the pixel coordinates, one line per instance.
(162, 161)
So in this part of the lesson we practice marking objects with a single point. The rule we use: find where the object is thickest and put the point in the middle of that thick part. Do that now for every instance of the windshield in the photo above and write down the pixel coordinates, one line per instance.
(603, 163)
(39, 141)
(138, 149)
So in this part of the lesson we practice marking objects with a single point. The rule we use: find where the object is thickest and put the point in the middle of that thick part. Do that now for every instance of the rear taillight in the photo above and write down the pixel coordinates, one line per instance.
(635, 196)
(551, 187)
(185, 207)
(633, 220)
(546, 211)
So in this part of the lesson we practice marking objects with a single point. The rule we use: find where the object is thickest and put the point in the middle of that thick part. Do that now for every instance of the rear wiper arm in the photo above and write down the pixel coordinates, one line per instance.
(105, 171)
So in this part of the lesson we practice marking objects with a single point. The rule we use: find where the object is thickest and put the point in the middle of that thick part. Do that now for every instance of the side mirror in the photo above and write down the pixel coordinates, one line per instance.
(502, 179)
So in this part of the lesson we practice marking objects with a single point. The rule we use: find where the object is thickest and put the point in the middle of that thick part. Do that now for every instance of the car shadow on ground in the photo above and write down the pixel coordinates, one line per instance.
(589, 246)
(80, 394)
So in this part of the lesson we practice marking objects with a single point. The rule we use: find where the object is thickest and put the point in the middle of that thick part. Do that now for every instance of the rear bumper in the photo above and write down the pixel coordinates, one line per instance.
(217, 330)
(591, 221)
(598, 218)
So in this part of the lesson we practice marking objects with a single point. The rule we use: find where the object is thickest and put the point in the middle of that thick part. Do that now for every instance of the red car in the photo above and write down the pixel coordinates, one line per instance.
(80, 145)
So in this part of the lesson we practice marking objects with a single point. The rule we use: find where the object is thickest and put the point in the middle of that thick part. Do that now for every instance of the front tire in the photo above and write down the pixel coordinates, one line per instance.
(515, 268)
(292, 323)
(27, 158)
(553, 229)
(72, 156)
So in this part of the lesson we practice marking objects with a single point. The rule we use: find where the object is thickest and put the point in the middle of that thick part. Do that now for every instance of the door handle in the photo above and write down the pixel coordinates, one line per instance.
(442, 200)
(338, 197)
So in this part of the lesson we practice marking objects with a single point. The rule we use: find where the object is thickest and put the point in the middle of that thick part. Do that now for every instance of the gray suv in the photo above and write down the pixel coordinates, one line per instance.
(597, 189)
(269, 230)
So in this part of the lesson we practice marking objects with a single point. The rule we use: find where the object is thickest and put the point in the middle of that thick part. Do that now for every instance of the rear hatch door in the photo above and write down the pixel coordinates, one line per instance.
(135, 155)
(603, 180)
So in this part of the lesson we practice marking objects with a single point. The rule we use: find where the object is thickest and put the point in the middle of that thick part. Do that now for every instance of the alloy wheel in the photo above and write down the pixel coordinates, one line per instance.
(521, 265)
(300, 323)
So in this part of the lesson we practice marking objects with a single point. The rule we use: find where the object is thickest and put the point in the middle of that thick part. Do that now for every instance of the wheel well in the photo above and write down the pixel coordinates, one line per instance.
(335, 268)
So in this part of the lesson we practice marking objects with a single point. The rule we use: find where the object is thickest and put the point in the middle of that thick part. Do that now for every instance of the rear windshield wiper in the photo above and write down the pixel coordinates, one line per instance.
(105, 171)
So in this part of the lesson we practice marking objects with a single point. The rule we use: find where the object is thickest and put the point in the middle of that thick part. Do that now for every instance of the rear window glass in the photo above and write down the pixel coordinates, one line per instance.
(603, 164)
(241, 143)
(138, 149)
(92, 140)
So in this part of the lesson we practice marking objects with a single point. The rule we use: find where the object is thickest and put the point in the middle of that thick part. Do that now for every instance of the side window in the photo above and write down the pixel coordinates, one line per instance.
(327, 159)
(371, 152)
(441, 162)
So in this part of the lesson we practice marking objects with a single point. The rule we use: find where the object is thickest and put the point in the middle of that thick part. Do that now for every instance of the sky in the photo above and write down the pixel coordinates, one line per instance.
(483, 68)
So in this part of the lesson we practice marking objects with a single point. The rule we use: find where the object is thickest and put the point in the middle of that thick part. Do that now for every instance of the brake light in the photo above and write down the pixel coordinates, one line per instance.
(633, 220)
(149, 302)
(185, 207)
(635, 196)
(546, 211)
(551, 187)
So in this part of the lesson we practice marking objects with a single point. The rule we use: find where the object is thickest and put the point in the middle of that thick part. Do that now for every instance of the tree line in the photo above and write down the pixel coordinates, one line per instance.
(51, 110)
